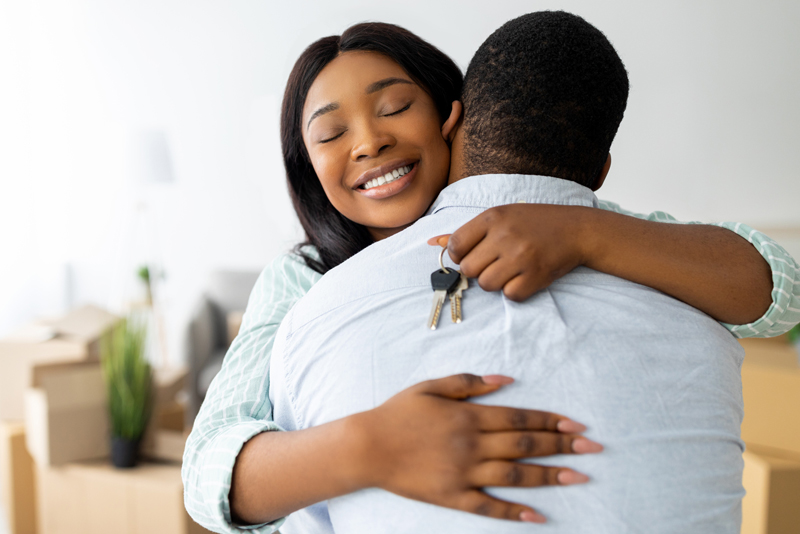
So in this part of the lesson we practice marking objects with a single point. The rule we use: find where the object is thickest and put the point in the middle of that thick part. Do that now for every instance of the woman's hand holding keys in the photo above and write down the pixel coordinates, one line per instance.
(426, 444)
(522, 248)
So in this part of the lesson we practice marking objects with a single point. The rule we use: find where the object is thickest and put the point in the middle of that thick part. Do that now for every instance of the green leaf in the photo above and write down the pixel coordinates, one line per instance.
(129, 378)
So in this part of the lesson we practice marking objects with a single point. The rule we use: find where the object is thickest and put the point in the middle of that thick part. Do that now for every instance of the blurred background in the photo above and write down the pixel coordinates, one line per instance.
(145, 133)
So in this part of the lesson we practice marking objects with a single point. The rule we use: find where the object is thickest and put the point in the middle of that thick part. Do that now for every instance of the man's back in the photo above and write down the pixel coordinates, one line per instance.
(656, 381)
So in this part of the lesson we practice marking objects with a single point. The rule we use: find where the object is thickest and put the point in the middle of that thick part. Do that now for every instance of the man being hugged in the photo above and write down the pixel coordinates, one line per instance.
(656, 381)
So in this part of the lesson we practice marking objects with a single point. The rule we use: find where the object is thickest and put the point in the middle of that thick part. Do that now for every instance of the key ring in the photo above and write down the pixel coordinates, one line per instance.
(441, 264)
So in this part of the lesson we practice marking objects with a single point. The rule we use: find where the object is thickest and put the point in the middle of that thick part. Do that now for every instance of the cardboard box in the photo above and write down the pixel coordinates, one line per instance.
(71, 338)
(171, 416)
(165, 446)
(772, 481)
(169, 382)
(771, 389)
(66, 414)
(84, 326)
(165, 438)
(18, 479)
(95, 498)
(16, 369)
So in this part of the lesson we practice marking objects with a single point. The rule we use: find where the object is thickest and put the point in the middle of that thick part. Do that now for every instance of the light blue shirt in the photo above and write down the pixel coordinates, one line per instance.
(656, 381)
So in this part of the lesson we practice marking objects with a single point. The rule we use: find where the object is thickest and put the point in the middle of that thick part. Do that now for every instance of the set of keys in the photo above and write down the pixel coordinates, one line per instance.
(446, 283)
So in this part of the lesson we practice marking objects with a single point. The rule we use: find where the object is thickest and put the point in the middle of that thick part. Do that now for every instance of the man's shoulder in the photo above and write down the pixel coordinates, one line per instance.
(617, 308)
(399, 262)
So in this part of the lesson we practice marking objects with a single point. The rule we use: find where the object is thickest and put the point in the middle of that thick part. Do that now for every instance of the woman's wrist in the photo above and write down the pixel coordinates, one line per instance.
(362, 463)
(277, 473)
(592, 229)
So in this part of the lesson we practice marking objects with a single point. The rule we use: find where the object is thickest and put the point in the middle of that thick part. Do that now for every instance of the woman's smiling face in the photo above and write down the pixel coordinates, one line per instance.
(376, 141)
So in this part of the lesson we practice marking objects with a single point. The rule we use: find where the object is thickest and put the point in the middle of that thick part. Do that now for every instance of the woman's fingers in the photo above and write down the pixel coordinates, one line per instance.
(498, 418)
(477, 502)
(463, 386)
(475, 262)
(515, 445)
(495, 275)
(523, 286)
(514, 474)
(495, 418)
(466, 238)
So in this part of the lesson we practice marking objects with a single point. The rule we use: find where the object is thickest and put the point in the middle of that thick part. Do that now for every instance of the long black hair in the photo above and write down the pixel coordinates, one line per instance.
(336, 237)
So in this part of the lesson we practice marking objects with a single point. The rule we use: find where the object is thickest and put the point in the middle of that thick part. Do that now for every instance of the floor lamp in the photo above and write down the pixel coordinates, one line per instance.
(152, 167)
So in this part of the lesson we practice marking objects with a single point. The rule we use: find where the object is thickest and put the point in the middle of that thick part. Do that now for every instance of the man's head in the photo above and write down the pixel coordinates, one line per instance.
(544, 94)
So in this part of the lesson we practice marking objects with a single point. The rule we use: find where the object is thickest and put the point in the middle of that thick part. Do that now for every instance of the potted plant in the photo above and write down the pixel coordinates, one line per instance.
(144, 275)
(129, 383)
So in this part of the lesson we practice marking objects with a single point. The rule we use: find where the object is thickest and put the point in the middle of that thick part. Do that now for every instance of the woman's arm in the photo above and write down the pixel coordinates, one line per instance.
(423, 443)
(784, 310)
(237, 406)
(522, 248)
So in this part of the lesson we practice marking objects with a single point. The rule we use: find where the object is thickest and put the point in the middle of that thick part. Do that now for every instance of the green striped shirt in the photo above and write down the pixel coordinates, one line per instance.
(237, 405)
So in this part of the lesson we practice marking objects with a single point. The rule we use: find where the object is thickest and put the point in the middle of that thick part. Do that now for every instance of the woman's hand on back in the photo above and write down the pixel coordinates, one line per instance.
(426, 444)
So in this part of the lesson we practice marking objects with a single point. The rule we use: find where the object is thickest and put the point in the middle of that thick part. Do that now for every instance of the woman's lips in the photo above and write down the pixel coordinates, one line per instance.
(392, 188)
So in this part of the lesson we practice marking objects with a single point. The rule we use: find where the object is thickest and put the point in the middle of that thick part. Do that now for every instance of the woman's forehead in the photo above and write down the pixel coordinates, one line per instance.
(350, 75)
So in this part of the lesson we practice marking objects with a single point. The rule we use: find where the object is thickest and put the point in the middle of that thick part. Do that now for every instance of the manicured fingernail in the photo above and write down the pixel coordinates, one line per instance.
(439, 240)
(531, 517)
(584, 446)
(500, 380)
(568, 476)
(570, 427)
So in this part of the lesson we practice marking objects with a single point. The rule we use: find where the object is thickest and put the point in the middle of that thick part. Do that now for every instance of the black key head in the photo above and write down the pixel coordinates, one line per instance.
(446, 281)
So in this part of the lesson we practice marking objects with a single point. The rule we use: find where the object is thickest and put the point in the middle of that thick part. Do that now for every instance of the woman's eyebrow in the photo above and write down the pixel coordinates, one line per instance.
(383, 84)
(322, 111)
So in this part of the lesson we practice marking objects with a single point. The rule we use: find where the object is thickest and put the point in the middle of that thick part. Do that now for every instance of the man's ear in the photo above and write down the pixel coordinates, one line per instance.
(602, 178)
(453, 122)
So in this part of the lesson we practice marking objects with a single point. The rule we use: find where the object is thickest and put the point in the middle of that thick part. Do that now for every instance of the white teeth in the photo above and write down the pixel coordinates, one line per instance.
(388, 177)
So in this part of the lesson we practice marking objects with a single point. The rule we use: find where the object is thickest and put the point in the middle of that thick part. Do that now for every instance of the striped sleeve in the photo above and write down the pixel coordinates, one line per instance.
(784, 312)
(237, 405)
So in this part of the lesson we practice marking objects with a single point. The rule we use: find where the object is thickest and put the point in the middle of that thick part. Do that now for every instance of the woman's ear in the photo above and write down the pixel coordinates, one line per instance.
(602, 178)
(453, 122)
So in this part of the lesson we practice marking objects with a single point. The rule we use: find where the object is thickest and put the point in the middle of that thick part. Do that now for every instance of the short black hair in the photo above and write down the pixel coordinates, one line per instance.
(544, 94)
(336, 237)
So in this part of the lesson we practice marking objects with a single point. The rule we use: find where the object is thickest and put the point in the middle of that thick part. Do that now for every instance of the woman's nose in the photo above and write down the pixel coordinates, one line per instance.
(370, 143)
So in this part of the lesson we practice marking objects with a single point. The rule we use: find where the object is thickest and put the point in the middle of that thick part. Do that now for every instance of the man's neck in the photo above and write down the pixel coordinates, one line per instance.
(457, 169)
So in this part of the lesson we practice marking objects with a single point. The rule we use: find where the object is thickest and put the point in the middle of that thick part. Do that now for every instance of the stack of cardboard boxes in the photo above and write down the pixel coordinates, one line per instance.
(771, 430)
(54, 438)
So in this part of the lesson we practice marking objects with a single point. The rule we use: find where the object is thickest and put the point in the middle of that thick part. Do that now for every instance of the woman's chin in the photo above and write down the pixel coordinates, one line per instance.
(392, 223)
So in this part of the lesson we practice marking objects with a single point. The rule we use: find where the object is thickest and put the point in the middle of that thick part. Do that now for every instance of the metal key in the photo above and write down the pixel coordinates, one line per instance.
(444, 282)
(456, 296)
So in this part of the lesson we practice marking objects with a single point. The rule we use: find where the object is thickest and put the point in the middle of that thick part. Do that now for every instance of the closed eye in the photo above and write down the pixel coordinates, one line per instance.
(399, 111)
(335, 137)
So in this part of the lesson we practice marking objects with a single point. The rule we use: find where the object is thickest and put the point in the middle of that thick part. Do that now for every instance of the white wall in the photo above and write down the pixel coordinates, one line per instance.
(711, 130)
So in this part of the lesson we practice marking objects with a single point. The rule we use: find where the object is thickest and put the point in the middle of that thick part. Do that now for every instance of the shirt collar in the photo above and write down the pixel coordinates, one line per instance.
(489, 190)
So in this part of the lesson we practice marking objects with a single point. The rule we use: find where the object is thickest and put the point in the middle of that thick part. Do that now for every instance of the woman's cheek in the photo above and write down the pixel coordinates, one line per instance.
(327, 171)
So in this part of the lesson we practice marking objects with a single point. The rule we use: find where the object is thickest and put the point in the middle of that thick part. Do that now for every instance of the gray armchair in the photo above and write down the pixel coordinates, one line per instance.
(227, 293)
